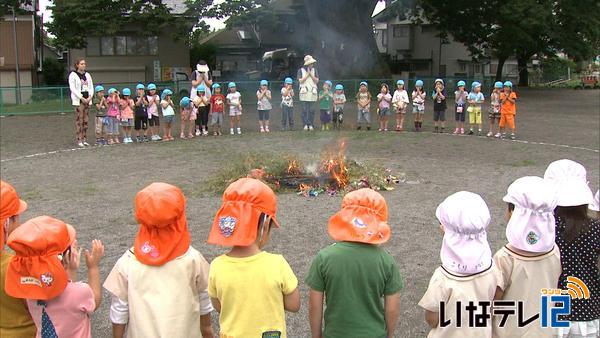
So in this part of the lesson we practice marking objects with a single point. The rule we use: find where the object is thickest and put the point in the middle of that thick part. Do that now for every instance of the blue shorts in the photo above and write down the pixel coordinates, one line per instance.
(168, 119)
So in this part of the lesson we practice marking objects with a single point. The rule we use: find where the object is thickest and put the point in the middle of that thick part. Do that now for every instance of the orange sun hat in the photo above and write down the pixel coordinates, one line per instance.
(36, 271)
(236, 222)
(363, 218)
(10, 205)
(163, 234)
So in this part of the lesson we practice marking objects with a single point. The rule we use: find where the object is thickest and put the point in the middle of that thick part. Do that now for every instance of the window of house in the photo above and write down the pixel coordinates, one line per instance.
(107, 46)
(93, 46)
(400, 31)
(477, 68)
(120, 45)
(462, 67)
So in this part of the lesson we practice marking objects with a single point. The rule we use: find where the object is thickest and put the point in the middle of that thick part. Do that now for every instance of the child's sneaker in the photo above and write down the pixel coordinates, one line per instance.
(182, 136)
(513, 137)
(435, 130)
(205, 133)
(498, 135)
(368, 127)
(262, 130)
(456, 131)
(462, 131)
(267, 129)
(219, 133)
(231, 131)
(239, 131)
(306, 127)
(503, 135)
(490, 134)
(311, 128)
(198, 132)
(80, 145)
(470, 131)
(158, 138)
(358, 128)
(380, 129)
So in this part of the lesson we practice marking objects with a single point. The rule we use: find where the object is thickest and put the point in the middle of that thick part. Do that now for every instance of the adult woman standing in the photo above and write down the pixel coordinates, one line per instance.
(201, 76)
(308, 79)
(82, 91)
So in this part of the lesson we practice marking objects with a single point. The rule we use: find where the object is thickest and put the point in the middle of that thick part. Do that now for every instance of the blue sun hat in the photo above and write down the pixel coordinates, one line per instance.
(184, 102)
(460, 83)
(151, 86)
(140, 86)
(126, 92)
(231, 85)
(111, 90)
(364, 83)
(339, 86)
(288, 80)
(498, 84)
(475, 84)
(508, 84)
(216, 85)
(329, 83)
(400, 83)
(201, 89)
(99, 89)
(165, 93)
(264, 82)
(419, 83)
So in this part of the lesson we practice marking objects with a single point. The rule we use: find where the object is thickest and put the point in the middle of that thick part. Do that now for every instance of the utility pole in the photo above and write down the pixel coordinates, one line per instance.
(16, 46)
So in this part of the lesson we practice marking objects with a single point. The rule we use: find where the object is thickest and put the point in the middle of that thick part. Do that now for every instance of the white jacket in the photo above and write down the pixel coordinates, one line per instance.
(400, 98)
(77, 87)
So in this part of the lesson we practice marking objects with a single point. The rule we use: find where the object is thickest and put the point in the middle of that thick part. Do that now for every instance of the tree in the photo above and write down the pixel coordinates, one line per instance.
(576, 28)
(53, 71)
(74, 20)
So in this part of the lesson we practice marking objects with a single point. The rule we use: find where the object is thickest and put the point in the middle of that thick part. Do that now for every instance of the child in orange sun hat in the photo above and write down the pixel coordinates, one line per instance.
(44, 271)
(15, 320)
(250, 288)
(355, 273)
(159, 285)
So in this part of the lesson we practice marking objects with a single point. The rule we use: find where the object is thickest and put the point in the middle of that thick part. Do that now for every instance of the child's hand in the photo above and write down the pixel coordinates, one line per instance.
(74, 258)
(93, 259)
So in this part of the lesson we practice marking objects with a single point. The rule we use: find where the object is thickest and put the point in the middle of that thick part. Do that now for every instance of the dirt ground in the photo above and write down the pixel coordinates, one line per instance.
(94, 188)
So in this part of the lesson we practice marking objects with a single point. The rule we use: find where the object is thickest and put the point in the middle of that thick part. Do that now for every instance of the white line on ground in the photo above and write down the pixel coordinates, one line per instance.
(506, 140)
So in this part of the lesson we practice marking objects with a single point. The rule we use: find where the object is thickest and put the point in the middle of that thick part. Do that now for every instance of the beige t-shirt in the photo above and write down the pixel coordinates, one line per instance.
(163, 300)
(451, 288)
(523, 278)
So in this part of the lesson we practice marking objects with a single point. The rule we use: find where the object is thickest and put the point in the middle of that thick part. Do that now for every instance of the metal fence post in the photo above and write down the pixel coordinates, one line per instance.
(62, 100)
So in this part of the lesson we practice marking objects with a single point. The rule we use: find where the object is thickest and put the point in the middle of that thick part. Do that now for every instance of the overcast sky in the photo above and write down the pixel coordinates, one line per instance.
(214, 23)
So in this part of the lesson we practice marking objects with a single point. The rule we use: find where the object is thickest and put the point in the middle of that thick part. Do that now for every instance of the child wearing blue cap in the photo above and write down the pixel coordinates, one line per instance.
(287, 105)
(460, 101)
(494, 114)
(363, 101)
(140, 119)
(152, 108)
(126, 105)
(325, 99)
(384, 100)
(439, 106)
(113, 114)
(168, 112)
(100, 106)
(339, 99)
(217, 109)
(234, 101)
(263, 94)
(400, 102)
(475, 100)
(185, 109)
(418, 104)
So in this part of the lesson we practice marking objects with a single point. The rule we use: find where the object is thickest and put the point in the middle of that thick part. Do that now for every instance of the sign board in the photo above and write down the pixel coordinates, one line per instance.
(157, 74)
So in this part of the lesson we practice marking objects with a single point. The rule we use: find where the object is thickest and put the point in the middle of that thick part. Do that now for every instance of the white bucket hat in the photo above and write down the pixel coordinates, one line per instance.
(202, 68)
(465, 249)
(308, 60)
(570, 178)
(531, 225)
(595, 205)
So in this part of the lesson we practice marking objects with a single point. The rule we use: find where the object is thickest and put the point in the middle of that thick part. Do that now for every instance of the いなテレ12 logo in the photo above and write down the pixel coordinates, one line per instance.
(556, 302)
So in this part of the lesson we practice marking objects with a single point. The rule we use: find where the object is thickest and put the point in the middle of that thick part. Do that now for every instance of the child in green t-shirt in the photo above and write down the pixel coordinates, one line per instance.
(354, 274)
(100, 107)
(250, 288)
(325, 100)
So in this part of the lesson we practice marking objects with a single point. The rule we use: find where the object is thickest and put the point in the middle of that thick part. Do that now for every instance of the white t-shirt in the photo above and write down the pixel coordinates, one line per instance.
(234, 100)
(167, 111)
(400, 98)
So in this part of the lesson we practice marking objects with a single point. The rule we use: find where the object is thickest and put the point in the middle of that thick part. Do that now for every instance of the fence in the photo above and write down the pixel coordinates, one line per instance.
(47, 100)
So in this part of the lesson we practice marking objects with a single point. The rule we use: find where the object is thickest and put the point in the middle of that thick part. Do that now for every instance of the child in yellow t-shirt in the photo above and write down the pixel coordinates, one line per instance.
(250, 288)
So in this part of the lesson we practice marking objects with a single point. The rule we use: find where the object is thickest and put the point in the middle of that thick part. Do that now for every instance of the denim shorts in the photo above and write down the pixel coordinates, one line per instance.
(113, 126)
(126, 122)
(263, 115)
(168, 119)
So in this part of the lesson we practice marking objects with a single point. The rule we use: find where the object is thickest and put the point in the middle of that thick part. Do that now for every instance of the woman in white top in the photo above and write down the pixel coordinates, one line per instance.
(308, 79)
(82, 91)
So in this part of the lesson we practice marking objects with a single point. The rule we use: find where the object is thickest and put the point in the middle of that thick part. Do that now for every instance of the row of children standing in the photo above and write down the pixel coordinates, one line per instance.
(550, 237)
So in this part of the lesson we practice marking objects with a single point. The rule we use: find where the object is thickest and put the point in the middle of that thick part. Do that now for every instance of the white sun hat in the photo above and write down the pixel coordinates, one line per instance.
(532, 225)
(595, 205)
(570, 179)
(465, 248)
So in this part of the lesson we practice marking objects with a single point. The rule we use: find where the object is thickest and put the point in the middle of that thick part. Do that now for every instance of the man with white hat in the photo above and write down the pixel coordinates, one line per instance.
(308, 77)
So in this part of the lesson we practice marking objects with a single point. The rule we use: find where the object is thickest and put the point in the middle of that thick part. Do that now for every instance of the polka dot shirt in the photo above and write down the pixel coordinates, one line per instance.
(580, 259)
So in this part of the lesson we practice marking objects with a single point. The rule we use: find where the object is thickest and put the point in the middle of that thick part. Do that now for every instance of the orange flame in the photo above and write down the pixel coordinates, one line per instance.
(293, 168)
(334, 164)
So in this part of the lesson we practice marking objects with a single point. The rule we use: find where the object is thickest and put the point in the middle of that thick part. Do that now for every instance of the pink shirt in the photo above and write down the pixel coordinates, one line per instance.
(126, 111)
(153, 101)
(113, 106)
(69, 312)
